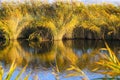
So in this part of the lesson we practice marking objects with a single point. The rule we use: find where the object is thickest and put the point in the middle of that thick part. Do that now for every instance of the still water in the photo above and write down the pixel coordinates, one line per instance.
(53, 60)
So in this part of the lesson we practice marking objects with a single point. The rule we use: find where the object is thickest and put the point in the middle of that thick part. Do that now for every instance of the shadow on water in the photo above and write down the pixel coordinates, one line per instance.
(37, 47)
(3, 44)
(40, 53)
(48, 54)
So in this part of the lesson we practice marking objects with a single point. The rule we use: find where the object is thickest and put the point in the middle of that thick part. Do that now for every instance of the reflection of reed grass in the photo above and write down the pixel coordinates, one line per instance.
(66, 63)
(72, 71)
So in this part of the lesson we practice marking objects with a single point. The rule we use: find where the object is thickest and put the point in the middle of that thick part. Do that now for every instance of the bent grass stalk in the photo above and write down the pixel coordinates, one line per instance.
(110, 63)
(11, 71)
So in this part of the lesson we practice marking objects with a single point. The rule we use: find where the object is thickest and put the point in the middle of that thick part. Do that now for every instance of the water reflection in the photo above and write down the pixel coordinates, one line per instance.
(46, 55)
(39, 53)
(3, 44)
(37, 47)
(11, 52)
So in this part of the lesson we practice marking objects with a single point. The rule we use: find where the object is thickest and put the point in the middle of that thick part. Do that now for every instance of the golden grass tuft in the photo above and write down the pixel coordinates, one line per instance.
(60, 17)
(109, 64)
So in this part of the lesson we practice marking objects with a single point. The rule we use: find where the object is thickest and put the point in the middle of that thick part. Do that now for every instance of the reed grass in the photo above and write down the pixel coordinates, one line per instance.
(11, 71)
(109, 63)
(61, 18)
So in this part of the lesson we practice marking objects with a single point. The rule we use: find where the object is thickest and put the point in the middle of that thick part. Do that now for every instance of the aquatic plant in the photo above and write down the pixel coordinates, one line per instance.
(11, 71)
(109, 63)
(91, 21)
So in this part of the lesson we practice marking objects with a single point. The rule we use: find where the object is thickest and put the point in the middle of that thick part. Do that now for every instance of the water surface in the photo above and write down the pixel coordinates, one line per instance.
(50, 60)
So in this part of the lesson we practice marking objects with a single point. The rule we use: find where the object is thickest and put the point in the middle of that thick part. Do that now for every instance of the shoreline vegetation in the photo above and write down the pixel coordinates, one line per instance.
(42, 21)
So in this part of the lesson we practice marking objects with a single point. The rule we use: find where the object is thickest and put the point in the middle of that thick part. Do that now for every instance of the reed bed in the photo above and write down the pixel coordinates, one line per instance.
(63, 19)
(109, 64)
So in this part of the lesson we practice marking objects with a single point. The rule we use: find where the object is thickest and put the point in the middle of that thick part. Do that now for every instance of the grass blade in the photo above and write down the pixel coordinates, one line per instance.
(20, 73)
(12, 69)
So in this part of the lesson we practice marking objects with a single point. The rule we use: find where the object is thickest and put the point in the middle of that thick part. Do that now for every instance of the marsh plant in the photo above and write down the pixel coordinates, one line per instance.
(11, 71)
(109, 64)
(64, 19)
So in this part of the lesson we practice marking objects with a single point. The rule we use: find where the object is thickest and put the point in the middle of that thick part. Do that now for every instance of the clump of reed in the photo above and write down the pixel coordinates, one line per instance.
(109, 63)
(11, 71)
(92, 21)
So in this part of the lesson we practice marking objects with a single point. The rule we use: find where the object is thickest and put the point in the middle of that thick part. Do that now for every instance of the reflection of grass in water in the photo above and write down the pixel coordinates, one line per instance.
(109, 64)
(72, 71)
(4, 44)
(76, 71)
(67, 58)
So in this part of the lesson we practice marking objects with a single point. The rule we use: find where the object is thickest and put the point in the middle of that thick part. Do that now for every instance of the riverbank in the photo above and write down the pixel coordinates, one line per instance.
(59, 20)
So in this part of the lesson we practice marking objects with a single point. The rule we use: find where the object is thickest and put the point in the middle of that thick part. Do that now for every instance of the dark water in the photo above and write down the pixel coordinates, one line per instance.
(50, 60)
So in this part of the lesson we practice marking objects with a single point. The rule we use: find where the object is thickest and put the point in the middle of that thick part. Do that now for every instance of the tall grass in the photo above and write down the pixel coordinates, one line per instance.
(61, 18)
(109, 64)
(11, 71)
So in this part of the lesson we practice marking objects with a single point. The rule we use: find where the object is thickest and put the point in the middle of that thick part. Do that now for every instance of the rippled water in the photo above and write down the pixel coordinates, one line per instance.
(46, 58)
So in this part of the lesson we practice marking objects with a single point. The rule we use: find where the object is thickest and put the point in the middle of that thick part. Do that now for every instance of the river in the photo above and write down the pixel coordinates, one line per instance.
(52, 60)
